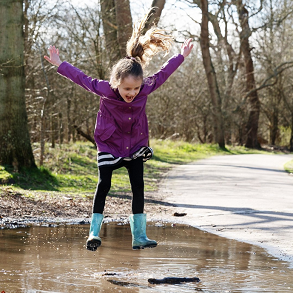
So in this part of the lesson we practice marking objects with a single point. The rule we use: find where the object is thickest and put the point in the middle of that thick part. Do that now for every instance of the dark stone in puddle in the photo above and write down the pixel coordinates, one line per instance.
(179, 214)
(173, 280)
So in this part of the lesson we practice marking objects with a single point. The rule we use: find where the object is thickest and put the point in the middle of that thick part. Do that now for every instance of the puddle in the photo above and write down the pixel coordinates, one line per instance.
(42, 259)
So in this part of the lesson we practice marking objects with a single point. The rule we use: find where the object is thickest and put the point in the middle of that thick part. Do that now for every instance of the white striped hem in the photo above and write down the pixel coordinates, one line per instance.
(106, 159)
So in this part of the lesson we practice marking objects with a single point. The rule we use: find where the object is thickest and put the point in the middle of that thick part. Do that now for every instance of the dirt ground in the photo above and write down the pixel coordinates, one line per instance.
(37, 207)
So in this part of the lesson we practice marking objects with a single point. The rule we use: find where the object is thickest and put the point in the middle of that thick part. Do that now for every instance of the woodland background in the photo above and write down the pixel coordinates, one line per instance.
(234, 88)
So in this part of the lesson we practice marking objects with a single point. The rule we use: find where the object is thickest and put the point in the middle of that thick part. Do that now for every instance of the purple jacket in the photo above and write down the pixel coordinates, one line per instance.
(121, 128)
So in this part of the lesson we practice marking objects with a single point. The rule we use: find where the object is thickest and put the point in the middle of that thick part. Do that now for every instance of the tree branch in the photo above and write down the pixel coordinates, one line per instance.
(87, 136)
(278, 70)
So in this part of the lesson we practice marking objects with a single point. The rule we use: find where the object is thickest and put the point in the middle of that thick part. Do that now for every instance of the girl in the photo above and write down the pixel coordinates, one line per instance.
(121, 131)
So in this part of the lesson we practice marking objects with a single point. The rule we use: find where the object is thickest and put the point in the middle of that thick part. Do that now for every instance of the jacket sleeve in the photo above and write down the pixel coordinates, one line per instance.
(99, 87)
(151, 83)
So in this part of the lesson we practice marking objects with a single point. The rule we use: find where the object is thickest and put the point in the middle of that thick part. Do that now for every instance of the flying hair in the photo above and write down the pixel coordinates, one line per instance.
(140, 49)
(144, 47)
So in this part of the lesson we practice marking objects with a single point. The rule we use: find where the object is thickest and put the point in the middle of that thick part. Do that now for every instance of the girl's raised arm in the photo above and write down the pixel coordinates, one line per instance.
(99, 87)
(153, 82)
(186, 48)
(54, 56)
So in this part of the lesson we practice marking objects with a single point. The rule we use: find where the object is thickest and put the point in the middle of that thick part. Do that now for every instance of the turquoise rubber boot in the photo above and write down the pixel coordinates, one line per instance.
(94, 241)
(138, 231)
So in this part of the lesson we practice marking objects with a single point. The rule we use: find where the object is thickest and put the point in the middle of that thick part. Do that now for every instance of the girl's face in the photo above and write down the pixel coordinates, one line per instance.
(129, 88)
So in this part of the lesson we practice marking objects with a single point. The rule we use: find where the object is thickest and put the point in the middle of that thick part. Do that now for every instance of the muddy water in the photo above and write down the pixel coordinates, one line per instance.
(47, 259)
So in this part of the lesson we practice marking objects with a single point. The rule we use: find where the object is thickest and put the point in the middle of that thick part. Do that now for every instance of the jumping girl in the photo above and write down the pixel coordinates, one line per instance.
(121, 131)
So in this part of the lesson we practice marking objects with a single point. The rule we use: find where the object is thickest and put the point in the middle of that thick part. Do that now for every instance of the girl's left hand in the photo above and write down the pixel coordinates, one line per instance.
(186, 48)
(54, 56)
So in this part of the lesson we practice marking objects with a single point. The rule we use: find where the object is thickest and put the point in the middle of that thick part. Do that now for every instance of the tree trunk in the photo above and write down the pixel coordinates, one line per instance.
(15, 146)
(69, 98)
(117, 24)
(291, 138)
(253, 100)
(211, 77)
(108, 10)
(99, 54)
(53, 130)
(124, 24)
(274, 130)
(42, 137)
(60, 128)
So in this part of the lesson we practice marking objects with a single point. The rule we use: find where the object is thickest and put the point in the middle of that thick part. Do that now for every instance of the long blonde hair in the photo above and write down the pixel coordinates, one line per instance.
(140, 49)
(146, 46)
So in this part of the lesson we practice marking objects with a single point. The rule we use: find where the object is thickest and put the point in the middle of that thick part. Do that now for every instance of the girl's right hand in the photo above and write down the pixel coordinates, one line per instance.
(54, 56)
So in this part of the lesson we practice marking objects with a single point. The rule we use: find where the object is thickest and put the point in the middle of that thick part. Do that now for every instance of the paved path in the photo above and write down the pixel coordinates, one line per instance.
(243, 197)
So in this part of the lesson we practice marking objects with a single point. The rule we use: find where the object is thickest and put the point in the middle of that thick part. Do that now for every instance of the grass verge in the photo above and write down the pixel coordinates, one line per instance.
(289, 167)
(72, 168)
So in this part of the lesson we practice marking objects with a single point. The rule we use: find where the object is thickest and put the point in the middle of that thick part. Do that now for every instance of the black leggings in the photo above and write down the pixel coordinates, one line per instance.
(135, 171)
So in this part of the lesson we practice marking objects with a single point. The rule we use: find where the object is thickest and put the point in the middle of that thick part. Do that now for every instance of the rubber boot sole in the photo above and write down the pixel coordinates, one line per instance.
(93, 244)
(144, 246)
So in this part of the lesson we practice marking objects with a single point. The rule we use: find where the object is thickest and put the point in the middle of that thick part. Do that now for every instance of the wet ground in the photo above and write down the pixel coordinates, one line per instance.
(54, 259)
(243, 197)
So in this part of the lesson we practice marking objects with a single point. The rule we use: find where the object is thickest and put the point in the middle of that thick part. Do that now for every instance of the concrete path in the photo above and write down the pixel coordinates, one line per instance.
(244, 197)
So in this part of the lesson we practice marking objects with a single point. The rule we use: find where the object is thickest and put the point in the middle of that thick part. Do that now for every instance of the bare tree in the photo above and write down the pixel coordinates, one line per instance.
(108, 9)
(274, 55)
(15, 146)
(211, 77)
(83, 42)
(124, 24)
(253, 100)
(117, 24)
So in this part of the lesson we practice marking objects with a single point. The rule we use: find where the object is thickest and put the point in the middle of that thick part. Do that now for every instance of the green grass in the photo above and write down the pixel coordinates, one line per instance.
(34, 179)
(289, 167)
(72, 168)
(5, 176)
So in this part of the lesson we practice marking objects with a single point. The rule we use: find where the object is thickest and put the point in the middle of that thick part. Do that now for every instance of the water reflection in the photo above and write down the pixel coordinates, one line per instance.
(42, 259)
